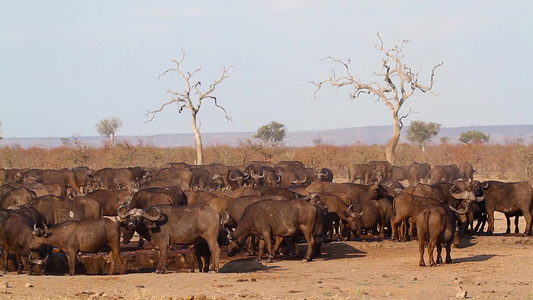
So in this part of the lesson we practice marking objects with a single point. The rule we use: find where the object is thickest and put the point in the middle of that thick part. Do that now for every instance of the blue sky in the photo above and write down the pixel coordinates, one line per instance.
(65, 65)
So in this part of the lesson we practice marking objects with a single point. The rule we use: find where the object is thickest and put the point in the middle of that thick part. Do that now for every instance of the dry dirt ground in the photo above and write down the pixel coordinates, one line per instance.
(484, 267)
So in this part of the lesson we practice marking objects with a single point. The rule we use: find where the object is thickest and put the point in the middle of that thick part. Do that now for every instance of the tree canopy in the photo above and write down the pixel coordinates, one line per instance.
(272, 133)
(474, 137)
(108, 127)
(421, 132)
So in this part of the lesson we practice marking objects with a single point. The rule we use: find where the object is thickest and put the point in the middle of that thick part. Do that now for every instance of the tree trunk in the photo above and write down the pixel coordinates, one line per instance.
(393, 142)
(199, 146)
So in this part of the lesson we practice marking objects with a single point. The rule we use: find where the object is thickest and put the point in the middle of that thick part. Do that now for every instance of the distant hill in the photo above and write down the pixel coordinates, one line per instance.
(346, 136)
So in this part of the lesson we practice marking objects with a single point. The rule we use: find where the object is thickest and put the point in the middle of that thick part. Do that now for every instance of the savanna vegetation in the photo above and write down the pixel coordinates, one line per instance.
(512, 161)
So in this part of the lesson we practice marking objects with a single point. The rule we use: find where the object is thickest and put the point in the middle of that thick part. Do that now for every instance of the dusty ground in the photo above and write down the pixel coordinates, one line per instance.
(486, 267)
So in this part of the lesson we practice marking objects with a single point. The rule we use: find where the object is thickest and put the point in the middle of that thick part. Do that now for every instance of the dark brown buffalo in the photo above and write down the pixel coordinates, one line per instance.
(146, 198)
(164, 225)
(447, 173)
(115, 179)
(18, 236)
(356, 192)
(110, 200)
(279, 218)
(152, 196)
(373, 216)
(408, 206)
(466, 171)
(325, 174)
(382, 169)
(178, 176)
(14, 175)
(138, 174)
(65, 177)
(435, 226)
(15, 197)
(509, 198)
(56, 209)
(399, 173)
(204, 180)
(233, 213)
(237, 178)
(271, 179)
(418, 173)
(393, 187)
(453, 194)
(289, 164)
(290, 177)
(338, 211)
(90, 236)
(445, 192)
(218, 169)
(28, 212)
(41, 189)
(361, 172)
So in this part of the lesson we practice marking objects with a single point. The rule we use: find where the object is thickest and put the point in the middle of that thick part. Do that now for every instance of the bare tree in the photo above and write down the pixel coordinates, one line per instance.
(191, 98)
(399, 83)
(108, 127)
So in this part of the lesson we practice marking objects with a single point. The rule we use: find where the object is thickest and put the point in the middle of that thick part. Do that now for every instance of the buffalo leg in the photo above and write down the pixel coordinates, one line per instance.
(19, 261)
(162, 262)
(490, 217)
(5, 252)
(71, 259)
(215, 254)
(439, 253)
(527, 215)
(448, 253)
(277, 244)
(310, 239)
(508, 219)
(421, 244)
(395, 224)
(431, 246)
(268, 244)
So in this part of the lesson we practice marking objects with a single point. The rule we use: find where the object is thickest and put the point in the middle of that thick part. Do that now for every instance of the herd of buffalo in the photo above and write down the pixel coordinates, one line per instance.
(258, 206)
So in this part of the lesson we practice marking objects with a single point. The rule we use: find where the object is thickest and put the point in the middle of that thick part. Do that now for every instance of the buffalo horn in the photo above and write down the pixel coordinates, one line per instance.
(152, 218)
(460, 196)
(362, 211)
(35, 261)
(119, 211)
(233, 179)
(457, 211)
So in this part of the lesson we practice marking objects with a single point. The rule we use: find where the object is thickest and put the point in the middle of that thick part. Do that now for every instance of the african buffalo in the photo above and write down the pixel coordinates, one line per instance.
(509, 198)
(435, 226)
(90, 236)
(18, 236)
(356, 192)
(280, 218)
(418, 173)
(163, 225)
(363, 172)
(110, 200)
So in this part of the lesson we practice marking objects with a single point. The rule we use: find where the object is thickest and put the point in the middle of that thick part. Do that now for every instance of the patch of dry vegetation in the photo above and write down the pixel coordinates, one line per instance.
(507, 162)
